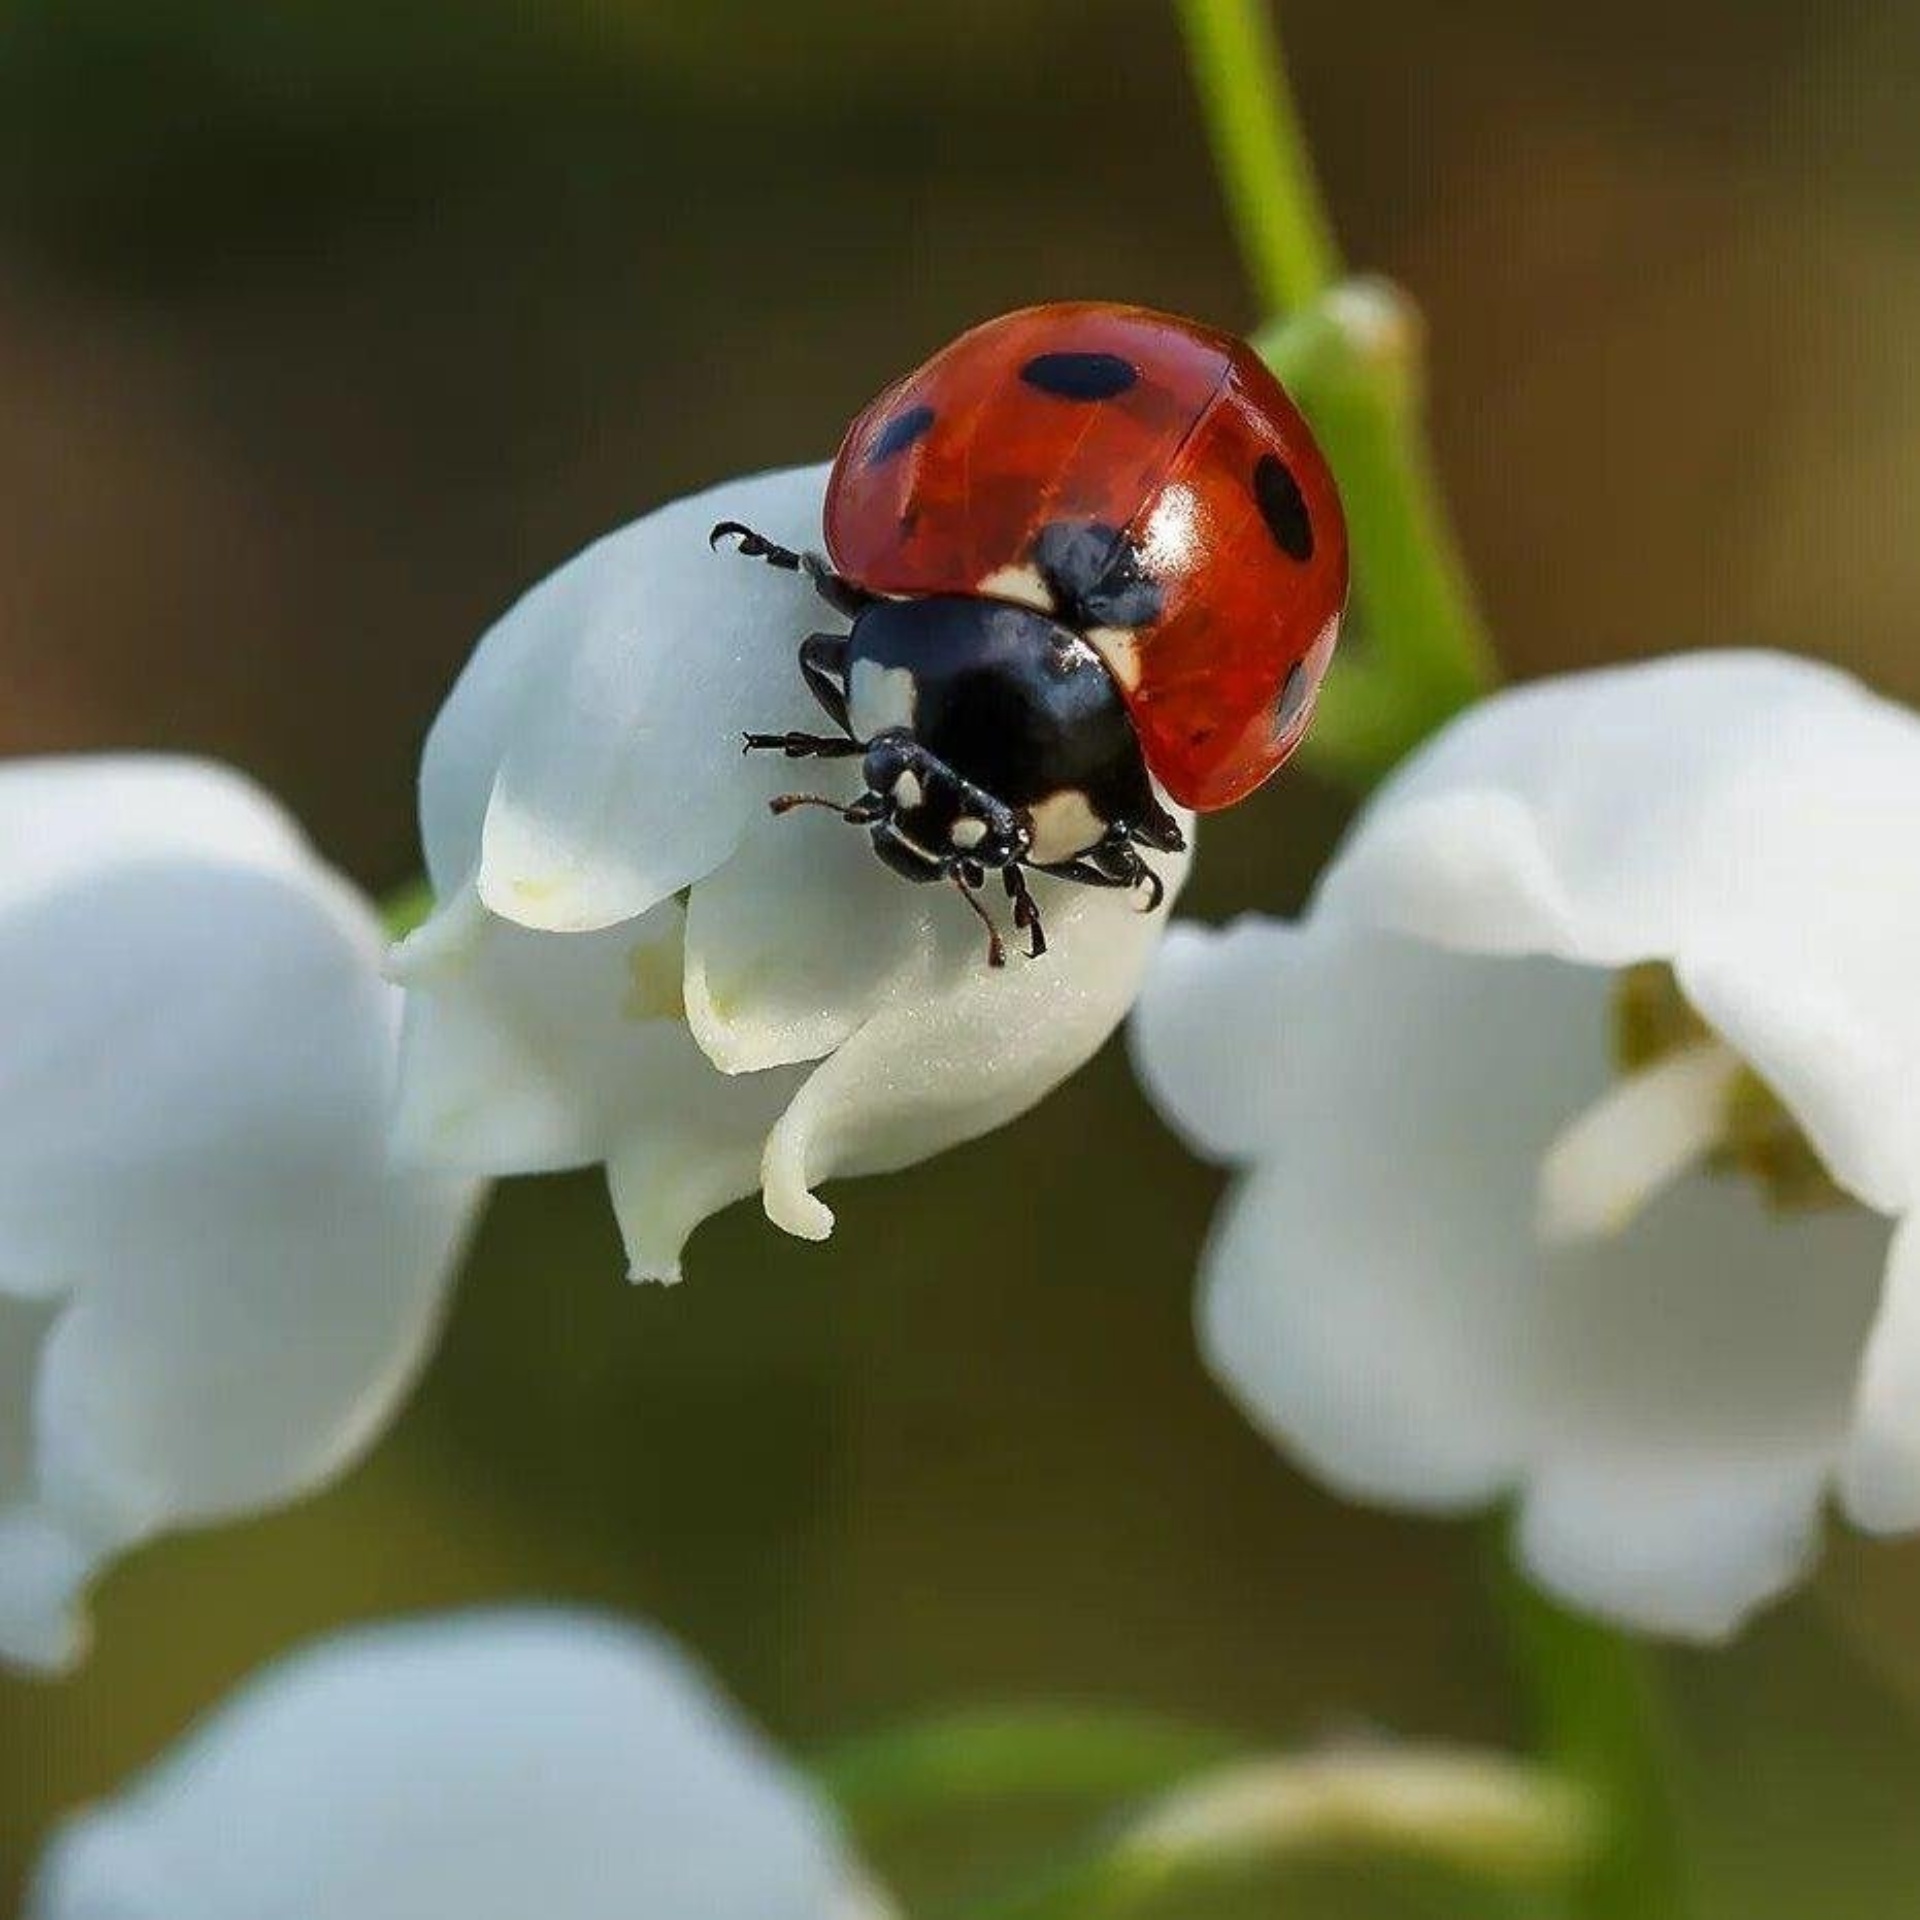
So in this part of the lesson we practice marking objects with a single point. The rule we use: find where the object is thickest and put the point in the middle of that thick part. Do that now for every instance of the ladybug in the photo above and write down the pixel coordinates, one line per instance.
(1085, 548)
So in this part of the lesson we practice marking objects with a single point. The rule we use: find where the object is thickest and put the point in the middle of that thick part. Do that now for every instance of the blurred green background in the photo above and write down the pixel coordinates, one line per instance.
(325, 327)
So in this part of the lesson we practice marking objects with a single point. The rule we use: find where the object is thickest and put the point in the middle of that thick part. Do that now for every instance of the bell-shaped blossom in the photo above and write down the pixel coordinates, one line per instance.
(634, 963)
(213, 1287)
(492, 1766)
(1478, 1248)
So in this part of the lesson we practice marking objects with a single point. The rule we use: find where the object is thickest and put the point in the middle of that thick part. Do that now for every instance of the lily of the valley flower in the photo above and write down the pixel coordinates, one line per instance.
(213, 1288)
(493, 1767)
(1544, 1110)
(633, 963)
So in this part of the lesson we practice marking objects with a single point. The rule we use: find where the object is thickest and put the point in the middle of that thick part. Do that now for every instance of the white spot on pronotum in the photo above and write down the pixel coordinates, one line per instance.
(1021, 584)
(1119, 648)
(1064, 824)
(967, 831)
(881, 699)
(907, 790)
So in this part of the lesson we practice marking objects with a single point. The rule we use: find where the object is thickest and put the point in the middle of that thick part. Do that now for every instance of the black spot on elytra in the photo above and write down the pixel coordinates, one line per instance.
(1080, 376)
(1282, 508)
(899, 433)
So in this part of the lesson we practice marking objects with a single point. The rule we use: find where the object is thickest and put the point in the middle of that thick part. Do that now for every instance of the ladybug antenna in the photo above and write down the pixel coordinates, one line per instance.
(860, 813)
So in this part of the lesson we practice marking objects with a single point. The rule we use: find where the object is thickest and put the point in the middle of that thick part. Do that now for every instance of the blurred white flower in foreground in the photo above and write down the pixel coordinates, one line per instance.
(212, 1288)
(633, 963)
(484, 1767)
(1473, 1253)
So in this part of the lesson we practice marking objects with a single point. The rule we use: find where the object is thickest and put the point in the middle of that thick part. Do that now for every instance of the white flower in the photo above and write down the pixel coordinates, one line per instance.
(1466, 1259)
(212, 1288)
(633, 963)
(501, 1766)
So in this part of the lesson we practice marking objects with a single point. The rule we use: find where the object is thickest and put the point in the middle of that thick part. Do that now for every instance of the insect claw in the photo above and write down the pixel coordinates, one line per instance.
(754, 546)
(996, 947)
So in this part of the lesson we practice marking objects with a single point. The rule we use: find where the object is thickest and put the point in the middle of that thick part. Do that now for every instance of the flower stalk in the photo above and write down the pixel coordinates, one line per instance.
(1260, 150)
(1501, 1822)
(1351, 352)
(1354, 359)
(1023, 1752)
(1600, 1717)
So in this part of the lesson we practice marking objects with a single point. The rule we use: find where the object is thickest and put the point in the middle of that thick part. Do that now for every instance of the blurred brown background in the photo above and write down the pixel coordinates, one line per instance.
(326, 327)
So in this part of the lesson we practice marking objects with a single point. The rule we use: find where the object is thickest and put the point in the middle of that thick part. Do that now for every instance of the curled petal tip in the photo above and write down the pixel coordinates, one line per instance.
(789, 1202)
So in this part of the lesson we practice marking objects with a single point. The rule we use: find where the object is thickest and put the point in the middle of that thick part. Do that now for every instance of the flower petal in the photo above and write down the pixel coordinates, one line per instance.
(529, 1052)
(63, 819)
(1668, 1402)
(1880, 1478)
(631, 675)
(697, 1149)
(1697, 1377)
(494, 1766)
(958, 1048)
(43, 1573)
(1686, 1547)
(1745, 816)
(1210, 1033)
(42, 1567)
(221, 1201)
(221, 1287)
(1371, 1294)
(794, 941)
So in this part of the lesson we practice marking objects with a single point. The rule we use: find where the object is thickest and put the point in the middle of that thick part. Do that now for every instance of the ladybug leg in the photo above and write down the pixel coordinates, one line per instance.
(841, 595)
(1118, 853)
(1082, 871)
(823, 665)
(800, 746)
(1026, 911)
(1122, 857)
(1158, 828)
(1112, 862)
(963, 878)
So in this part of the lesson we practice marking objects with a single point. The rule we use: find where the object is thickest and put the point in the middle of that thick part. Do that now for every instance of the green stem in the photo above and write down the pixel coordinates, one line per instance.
(1601, 1720)
(1265, 164)
(1354, 362)
(1510, 1826)
(997, 1753)
(1351, 354)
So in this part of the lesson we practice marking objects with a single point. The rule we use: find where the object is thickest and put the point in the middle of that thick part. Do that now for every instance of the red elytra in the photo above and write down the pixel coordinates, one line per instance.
(945, 481)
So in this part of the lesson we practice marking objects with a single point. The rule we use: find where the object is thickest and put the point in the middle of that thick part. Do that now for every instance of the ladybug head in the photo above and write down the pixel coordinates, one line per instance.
(942, 818)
